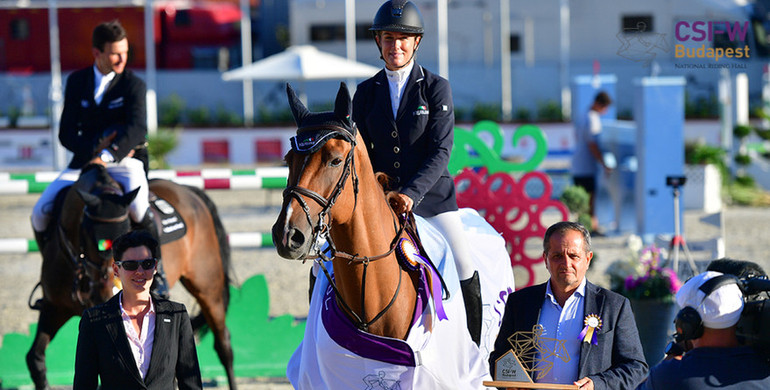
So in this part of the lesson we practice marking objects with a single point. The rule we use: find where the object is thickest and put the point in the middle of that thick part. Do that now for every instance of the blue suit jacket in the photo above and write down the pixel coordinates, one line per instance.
(103, 351)
(617, 362)
(414, 148)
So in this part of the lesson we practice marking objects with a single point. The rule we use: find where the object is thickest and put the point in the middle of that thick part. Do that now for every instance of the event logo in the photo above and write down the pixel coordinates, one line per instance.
(640, 45)
(711, 31)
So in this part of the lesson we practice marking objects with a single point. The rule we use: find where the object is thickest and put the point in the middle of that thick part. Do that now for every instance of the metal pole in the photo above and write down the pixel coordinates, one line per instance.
(56, 95)
(248, 86)
(443, 47)
(564, 45)
(677, 236)
(726, 118)
(505, 60)
(150, 67)
(350, 37)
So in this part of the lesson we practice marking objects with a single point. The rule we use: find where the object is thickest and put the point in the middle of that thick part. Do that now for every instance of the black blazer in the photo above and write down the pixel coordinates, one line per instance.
(617, 362)
(413, 149)
(103, 350)
(123, 108)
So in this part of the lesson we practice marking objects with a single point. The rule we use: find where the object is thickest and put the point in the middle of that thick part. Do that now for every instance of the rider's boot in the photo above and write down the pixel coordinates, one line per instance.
(311, 286)
(471, 289)
(41, 238)
(159, 283)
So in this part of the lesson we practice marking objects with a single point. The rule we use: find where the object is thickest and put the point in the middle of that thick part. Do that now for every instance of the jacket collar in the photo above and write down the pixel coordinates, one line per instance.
(410, 92)
(117, 334)
(594, 304)
(382, 94)
(164, 323)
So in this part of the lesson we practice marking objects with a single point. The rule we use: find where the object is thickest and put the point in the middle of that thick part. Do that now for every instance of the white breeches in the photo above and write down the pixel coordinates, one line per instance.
(450, 225)
(129, 173)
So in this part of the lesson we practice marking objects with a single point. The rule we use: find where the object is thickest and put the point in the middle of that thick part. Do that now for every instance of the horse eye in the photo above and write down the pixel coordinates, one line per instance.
(336, 162)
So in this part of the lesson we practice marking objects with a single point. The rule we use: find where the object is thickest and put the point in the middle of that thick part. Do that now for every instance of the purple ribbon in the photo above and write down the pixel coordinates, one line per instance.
(583, 333)
(429, 276)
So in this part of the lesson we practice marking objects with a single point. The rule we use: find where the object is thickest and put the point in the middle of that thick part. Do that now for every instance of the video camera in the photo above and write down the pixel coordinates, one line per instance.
(753, 327)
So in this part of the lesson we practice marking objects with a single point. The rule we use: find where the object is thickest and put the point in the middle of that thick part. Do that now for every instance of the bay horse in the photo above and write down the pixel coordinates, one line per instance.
(77, 259)
(380, 311)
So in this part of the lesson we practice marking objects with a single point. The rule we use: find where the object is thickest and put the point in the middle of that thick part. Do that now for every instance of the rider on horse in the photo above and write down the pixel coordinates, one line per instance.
(104, 122)
(406, 118)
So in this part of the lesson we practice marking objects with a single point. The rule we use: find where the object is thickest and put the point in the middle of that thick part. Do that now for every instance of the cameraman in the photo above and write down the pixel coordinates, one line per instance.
(711, 306)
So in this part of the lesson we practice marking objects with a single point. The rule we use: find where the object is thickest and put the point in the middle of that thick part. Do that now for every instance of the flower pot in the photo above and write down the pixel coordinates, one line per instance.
(655, 322)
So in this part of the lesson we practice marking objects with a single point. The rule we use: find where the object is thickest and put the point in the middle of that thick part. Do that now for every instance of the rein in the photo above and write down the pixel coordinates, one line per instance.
(80, 262)
(321, 228)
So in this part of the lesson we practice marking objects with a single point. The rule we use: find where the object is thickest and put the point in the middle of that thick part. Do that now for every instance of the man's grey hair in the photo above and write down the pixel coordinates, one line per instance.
(563, 227)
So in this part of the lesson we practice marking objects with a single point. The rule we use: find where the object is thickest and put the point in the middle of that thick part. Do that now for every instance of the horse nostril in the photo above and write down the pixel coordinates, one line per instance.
(296, 239)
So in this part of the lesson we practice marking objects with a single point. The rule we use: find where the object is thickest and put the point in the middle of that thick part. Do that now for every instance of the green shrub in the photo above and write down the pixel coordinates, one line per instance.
(199, 116)
(702, 107)
(742, 131)
(742, 159)
(223, 117)
(577, 201)
(763, 133)
(745, 181)
(170, 111)
(699, 153)
(484, 111)
(159, 145)
(523, 114)
(549, 111)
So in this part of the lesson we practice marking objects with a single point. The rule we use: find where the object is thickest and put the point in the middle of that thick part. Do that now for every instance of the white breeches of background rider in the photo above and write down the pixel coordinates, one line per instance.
(129, 173)
(450, 225)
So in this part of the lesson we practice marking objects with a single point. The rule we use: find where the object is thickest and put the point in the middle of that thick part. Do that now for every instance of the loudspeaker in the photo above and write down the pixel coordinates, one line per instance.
(688, 323)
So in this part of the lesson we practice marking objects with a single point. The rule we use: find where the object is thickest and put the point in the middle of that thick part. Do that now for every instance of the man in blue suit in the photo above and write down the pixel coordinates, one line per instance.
(596, 325)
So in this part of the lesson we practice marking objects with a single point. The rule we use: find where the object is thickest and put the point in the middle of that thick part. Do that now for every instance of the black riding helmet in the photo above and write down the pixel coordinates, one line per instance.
(398, 15)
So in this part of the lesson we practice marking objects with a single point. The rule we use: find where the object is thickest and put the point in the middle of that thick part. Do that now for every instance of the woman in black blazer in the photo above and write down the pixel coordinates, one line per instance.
(135, 340)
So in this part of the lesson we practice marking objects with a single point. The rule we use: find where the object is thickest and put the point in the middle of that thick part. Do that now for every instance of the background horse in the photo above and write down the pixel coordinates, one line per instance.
(382, 300)
(77, 259)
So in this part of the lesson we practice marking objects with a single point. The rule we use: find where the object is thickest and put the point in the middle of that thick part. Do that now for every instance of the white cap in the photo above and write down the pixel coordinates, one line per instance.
(720, 309)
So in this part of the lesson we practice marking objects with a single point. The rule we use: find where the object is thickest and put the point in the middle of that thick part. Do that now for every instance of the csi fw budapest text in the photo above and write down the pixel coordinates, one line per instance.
(711, 31)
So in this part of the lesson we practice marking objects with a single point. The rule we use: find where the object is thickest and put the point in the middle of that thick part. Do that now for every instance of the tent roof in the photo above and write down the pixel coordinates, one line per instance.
(303, 62)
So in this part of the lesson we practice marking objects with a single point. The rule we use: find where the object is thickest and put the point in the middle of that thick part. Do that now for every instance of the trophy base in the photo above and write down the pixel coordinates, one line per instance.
(529, 385)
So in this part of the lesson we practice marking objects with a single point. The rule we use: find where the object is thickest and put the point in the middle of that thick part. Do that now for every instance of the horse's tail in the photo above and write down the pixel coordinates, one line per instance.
(224, 248)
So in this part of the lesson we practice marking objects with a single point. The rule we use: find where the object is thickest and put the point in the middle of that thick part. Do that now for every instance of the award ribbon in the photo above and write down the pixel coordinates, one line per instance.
(428, 273)
(592, 324)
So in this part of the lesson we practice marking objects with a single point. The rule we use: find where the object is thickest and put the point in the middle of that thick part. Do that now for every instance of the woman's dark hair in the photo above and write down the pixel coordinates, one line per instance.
(107, 32)
(134, 239)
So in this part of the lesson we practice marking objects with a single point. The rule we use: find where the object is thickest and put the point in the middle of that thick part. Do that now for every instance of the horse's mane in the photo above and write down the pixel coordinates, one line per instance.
(385, 182)
(95, 176)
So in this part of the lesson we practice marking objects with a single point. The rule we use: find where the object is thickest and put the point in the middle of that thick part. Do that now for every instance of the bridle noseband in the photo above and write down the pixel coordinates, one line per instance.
(321, 229)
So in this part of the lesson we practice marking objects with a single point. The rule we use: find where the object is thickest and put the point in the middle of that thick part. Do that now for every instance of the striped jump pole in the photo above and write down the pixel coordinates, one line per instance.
(207, 179)
(237, 240)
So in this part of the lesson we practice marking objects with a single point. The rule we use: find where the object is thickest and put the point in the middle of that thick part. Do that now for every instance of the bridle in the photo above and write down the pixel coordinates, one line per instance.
(79, 261)
(321, 229)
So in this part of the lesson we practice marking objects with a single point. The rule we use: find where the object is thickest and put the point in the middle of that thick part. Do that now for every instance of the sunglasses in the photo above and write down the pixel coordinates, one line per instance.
(133, 265)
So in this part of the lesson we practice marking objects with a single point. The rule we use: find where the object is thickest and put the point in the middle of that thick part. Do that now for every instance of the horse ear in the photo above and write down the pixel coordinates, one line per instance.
(129, 197)
(298, 109)
(342, 105)
(89, 199)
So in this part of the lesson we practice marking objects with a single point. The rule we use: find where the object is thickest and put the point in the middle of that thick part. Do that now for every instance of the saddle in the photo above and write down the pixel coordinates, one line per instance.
(170, 223)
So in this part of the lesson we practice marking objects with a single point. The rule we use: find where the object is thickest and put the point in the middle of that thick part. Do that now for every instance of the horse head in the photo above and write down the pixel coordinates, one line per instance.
(105, 217)
(321, 163)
